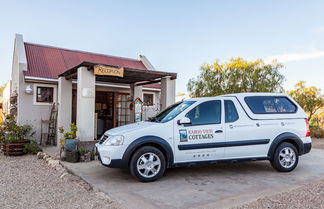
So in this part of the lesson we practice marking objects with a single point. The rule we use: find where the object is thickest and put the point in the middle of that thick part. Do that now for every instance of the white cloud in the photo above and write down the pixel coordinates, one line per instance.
(283, 58)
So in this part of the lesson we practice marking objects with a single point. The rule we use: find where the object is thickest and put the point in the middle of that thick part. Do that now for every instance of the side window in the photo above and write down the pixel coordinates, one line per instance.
(270, 104)
(283, 104)
(206, 113)
(231, 114)
(44, 94)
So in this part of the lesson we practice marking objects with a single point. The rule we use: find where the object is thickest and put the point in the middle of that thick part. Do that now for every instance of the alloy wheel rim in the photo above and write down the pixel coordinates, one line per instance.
(287, 157)
(148, 165)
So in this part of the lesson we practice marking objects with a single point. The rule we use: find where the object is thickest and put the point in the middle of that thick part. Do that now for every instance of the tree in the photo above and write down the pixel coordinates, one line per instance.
(237, 75)
(1, 89)
(309, 98)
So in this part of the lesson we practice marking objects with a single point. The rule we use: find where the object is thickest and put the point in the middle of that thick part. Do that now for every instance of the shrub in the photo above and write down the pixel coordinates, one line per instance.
(83, 150)
(11, 132)
(32, 148)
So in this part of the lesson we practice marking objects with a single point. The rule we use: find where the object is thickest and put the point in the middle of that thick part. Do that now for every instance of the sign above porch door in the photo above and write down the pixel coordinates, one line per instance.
(105, 70)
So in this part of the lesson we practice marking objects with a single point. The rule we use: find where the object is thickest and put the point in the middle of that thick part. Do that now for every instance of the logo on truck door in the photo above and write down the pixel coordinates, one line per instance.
(197, 134)
(183, 135)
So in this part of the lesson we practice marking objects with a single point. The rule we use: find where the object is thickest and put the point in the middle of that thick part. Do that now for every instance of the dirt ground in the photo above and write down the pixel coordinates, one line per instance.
(318, 143)
(309, 196)
(306, 196)
(28, 182)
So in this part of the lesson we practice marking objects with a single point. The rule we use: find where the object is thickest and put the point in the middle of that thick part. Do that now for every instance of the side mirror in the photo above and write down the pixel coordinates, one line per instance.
(184, 121)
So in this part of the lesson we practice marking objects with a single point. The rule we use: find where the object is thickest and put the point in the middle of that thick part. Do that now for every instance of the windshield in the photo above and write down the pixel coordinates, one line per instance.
(171, 112)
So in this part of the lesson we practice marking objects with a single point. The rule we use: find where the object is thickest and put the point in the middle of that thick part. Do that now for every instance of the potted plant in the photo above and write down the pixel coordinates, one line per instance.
(85, 155)
(14, 137)
(68, 142)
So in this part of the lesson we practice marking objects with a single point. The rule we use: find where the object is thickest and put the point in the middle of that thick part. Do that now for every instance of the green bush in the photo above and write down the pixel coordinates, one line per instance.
(11, 132)
(83, 150)
(32, 148)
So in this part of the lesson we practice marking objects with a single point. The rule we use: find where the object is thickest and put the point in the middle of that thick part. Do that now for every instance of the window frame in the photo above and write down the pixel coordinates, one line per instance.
(51, 91)
(271, 113)
(238, 115)
(152, 99)
(220, 114)
(39, 85)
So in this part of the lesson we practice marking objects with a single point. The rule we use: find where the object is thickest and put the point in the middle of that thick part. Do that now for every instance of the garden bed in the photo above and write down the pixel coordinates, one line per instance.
(14, 148)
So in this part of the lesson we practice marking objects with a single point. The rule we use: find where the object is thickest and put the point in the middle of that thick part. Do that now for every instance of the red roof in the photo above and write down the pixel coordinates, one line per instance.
(49, 62)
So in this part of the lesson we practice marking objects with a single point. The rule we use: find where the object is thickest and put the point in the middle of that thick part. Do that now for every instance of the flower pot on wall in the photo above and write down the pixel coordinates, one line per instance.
(14, 148)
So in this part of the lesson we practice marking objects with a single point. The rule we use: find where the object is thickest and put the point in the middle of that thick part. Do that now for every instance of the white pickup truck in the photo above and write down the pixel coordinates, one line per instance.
(227, 128)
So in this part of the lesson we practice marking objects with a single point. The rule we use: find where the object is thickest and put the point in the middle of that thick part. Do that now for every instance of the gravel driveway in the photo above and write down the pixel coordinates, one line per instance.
(306, 196)
(27, 182)
(309, 196)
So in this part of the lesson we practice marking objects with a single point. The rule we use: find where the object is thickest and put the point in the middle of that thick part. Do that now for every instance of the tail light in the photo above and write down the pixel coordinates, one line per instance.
(307, 128)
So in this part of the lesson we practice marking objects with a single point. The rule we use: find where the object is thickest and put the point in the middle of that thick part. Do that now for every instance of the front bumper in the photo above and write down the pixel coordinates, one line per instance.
(110, 156)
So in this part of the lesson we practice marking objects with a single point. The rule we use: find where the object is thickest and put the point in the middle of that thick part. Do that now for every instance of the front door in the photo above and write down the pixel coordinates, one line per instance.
(104, 111)
(202, 139)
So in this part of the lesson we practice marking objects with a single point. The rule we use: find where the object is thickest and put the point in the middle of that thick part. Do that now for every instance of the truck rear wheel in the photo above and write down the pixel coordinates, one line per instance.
(285, 158)
(147, 164)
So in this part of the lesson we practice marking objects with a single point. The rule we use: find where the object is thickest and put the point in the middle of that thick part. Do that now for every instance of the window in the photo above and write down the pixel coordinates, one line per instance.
(44, 94)
(172, 112)
(231, 114)
(269, 104)
(148, 99)
(205, 113)
(283, 104)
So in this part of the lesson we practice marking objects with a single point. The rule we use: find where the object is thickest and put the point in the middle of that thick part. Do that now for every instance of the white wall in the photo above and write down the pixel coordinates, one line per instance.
(150, 111)
(31, 113)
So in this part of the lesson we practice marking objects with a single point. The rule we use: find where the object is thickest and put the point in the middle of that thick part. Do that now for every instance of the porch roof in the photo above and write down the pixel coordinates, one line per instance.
(131, 75)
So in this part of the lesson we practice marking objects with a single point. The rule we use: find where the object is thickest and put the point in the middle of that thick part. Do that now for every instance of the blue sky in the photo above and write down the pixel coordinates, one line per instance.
(176, 36)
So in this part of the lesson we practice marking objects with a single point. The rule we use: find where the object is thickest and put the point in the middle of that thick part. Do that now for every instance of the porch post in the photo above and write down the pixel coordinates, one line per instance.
(64, 104)
(136, 92)
(86, 91)
(168, 92)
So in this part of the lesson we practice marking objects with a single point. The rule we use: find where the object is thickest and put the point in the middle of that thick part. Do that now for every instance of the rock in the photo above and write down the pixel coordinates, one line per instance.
(48, 159)
(64, 174)
(53, 163)
(46, 156)
(59, 168)
(40, 155)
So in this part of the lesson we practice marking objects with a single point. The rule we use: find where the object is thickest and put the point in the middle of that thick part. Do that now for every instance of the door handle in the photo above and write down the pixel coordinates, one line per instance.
(219, 131)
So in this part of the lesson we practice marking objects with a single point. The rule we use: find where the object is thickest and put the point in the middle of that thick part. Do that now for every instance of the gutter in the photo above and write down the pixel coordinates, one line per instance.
(54, 80)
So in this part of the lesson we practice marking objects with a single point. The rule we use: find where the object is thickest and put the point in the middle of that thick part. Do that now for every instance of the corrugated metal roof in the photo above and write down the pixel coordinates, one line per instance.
(48, 62)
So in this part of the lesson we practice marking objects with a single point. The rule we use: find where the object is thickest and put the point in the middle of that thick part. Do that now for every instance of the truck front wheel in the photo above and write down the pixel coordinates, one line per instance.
(147, 164)
(285, 158)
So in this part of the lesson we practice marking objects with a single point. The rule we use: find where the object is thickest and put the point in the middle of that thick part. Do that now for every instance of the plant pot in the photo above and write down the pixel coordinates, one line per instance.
(70, 144)
(72, 156)
(85, 157)
(14, 148)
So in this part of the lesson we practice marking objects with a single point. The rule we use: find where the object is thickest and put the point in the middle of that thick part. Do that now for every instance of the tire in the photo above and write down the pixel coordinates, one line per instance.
(285, 157)
(147, 164)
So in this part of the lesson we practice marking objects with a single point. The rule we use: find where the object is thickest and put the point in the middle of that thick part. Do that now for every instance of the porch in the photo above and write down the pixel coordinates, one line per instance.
(95, 110)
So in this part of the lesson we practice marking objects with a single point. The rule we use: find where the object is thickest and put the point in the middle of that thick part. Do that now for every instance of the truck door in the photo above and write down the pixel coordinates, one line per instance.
(243, 137)
(203, 137)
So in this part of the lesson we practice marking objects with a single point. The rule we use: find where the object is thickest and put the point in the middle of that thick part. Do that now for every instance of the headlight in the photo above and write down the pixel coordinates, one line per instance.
(114, 141)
